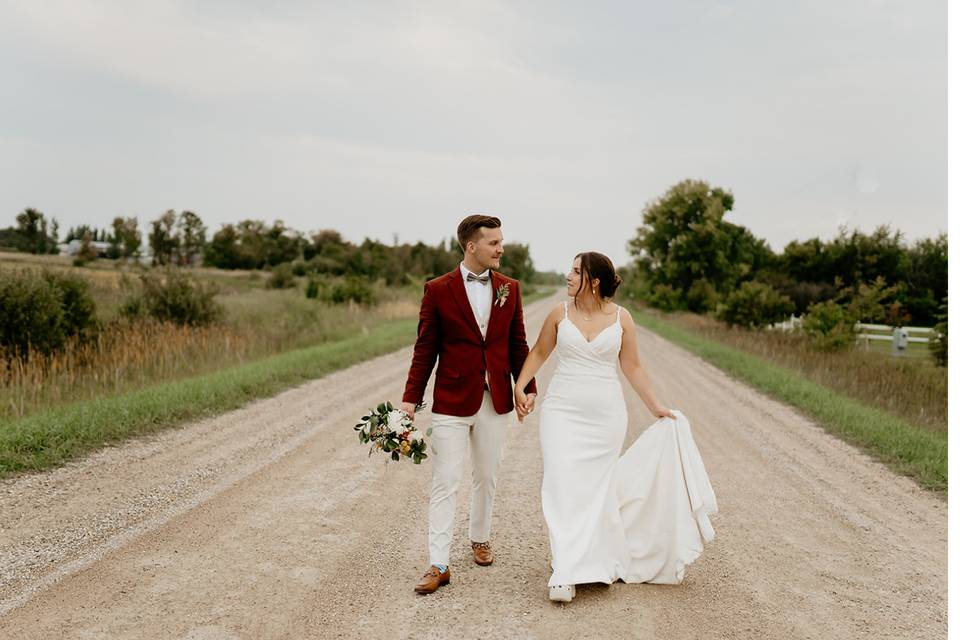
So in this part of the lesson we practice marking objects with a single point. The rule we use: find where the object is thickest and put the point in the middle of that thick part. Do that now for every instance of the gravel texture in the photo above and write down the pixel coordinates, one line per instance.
(272, 522)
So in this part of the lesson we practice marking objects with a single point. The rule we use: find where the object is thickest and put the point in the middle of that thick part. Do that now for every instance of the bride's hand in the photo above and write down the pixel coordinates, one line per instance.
(520, 403)
(519, 397)
(662, 412)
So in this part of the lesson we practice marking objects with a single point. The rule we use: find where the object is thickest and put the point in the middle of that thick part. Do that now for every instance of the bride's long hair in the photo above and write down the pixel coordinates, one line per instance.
(596, 265)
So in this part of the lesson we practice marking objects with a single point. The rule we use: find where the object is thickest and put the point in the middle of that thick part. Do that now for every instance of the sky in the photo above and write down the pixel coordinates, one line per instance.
(397, 119)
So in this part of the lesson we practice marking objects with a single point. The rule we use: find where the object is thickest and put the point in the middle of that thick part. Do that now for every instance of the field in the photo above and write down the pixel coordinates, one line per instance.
(136, 376)
(129, 355)
(911, 387)
(893, 408)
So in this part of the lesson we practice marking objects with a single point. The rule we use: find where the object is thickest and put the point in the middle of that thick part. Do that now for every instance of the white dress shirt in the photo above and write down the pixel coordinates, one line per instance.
(481, 298)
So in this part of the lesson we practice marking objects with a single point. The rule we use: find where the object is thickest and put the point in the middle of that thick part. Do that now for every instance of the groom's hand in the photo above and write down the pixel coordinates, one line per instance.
(520, 404)
(531, 401)
(408, 408)
(523, 403)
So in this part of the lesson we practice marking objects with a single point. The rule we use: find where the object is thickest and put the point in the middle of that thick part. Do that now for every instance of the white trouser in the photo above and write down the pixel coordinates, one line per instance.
(485, 433)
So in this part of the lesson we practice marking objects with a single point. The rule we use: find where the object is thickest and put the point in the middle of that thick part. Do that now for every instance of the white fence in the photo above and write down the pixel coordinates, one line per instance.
(928, 332)
(866, 332)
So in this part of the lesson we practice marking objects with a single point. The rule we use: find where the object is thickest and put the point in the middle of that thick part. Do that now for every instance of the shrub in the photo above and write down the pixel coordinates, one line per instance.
(938, 344)
(300, 268)
(352, 288)
(174, 297)
(79, 309)
(40, 310)
(867, 301)
(753, 305)
(830, 325)
(87, 252)
(702, 296)
(341, 290)
(666, 297)
(281, 277)
(897, 315)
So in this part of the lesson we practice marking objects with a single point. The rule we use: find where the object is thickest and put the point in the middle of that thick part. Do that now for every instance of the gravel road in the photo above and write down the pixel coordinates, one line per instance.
(271, 522)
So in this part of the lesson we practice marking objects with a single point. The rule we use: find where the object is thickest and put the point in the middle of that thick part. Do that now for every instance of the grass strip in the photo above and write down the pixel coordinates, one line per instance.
(49, 438)
(906, 448)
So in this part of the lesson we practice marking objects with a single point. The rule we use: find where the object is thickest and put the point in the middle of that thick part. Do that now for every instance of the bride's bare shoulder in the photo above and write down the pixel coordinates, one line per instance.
(555, 315)
(626, 318)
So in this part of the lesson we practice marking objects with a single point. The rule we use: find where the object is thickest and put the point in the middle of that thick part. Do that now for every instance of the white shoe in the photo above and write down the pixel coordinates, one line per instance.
(563, 593)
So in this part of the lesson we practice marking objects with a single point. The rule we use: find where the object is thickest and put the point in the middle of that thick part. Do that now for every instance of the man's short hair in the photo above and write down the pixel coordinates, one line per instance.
(470, 228)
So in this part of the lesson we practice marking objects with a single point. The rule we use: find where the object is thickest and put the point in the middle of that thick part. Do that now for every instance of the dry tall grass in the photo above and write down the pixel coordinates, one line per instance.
(913, 388)
(127, 355)
(123, 356)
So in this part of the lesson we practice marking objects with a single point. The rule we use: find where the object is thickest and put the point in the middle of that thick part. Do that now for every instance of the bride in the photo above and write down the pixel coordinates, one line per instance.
(640, 517)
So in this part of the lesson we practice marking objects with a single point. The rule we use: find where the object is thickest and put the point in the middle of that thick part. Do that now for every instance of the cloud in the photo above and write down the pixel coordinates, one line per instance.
(563, 117)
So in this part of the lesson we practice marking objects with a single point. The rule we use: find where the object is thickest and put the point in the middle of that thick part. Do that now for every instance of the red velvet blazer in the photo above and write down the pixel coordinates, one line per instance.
(449, 331)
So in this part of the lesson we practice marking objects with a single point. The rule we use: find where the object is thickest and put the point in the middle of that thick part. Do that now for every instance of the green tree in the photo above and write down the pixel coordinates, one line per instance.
(684, 239)
(516, 262)
(126, 236)
(328, 252)
(77, 233)
(371, 260)
(193, 238)
(87, 252)
(32, 225)
(938, 345)
(251, 244)
(282, 244)
(868, 302)
(223, 250)
(115, 250)
(163, 239)
(925, 279)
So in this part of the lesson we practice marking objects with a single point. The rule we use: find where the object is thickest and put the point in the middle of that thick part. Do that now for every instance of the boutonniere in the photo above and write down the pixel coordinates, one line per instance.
(502, 292)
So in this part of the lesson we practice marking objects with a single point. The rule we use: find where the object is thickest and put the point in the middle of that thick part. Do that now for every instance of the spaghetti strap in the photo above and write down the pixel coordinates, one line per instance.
(564, 308)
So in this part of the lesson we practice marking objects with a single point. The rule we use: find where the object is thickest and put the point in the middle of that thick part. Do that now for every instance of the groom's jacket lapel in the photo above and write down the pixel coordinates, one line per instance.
(459, 291)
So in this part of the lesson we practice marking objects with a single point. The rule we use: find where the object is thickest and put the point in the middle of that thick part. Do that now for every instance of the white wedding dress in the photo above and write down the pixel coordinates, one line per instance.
(640, 517)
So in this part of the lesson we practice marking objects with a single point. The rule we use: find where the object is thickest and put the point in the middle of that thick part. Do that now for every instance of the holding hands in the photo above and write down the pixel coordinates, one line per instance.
(523, 402)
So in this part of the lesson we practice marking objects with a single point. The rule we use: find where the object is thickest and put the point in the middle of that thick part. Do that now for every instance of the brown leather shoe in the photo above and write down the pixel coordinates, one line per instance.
(432, 580)
(482, 553)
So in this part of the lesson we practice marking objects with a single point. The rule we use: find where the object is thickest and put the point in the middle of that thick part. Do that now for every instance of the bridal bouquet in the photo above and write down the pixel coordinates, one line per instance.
(391, 431)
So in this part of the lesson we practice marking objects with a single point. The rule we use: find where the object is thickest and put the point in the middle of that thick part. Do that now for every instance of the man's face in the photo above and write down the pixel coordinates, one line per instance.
(487, 248)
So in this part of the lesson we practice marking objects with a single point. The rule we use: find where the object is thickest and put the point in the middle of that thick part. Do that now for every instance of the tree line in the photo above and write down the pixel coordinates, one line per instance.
(181, 239)
(687, 257)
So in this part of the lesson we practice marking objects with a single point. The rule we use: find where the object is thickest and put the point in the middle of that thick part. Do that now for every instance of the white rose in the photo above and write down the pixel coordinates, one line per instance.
(415, 436)
(396, 421)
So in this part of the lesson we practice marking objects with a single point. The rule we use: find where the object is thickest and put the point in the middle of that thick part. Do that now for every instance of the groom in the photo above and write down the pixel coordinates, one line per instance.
(472, 319)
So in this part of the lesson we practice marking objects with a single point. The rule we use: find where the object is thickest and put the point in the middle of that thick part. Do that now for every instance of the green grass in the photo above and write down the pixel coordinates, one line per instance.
(49, 438)
(906, 448)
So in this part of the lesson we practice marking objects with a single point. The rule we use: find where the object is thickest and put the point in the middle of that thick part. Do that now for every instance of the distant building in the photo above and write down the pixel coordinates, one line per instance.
(73, 247)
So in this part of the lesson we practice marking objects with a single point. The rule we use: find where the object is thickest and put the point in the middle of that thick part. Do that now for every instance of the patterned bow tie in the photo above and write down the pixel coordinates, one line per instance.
(482, 279)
